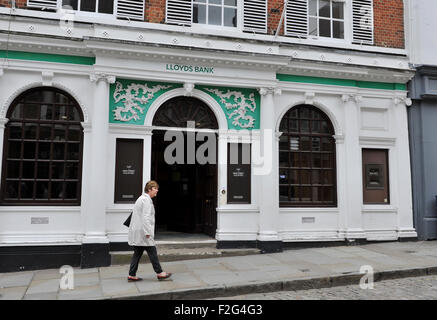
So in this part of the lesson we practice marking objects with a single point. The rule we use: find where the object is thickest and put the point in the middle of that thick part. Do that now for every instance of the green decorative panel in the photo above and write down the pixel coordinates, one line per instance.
(241, 106)
(130, 100)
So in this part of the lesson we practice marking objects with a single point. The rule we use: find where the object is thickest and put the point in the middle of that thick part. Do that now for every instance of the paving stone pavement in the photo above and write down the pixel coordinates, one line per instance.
(291, 269)
(412, 288)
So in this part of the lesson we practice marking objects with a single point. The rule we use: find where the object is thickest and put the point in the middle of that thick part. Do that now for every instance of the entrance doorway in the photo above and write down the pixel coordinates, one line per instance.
(187, 199)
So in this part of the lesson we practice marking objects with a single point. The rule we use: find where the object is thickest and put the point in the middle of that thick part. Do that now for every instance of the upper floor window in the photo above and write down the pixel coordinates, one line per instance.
(245, 15)
(122, 9)
(98, 6)
(349, 20)
(215, 12)
(326, 19)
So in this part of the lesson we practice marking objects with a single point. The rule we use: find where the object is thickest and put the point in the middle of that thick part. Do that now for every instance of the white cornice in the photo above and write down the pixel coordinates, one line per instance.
(138, 27)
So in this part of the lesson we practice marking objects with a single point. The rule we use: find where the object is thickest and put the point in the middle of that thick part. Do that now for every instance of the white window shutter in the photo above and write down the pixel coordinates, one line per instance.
(255, 16)
(296, 18)
(179, 12)
(362, 16)
(52, 4)
(130, 9)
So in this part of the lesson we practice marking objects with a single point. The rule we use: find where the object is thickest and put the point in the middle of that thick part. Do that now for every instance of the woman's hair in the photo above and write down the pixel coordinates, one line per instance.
(149, 185)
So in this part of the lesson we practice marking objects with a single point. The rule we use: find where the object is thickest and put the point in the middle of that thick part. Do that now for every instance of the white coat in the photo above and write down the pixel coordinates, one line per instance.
(142, 223)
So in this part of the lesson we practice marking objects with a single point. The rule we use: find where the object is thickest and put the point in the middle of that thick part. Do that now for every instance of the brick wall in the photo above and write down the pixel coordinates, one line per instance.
(389, 23)
(18, 3)
(388, 18)
(155, 11)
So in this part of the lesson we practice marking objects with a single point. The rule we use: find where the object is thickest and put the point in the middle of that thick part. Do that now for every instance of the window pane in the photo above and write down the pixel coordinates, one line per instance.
(293, 127)
(15, 130)
(88, 5)
(294, 176)
(283, 159)
(305, 160)
(316, 144)
(199, 13)
(45, 131)
(73, 151)
(316, 194)
(106, 6)
(324, 28)
(16, 114)
(58, 151)
(44, 150)
(42, 170)
(315, 127)
(283, 193)
(283, 176)
(325, 127)
(284, 125)
(71, 3)
(230, 3)
(11, 190)
(304, 126)
(230, 17)
(215, 15)
(13, 169)
(73, 114)
(57, 170)
(71, 190)
(42, 190)
(327, 144)
(312, 8)
(313, 27)
(61, 113)
(57, 190)
(28, 170)
(31, 111)
(26, 189)
(324, 8)
(294, 143)
(327, 177)
(283, 143)
(315, 177)
(294, 193)
(305, 177)
(338, 30)
(305, 144)
(305, 194)
(74, 133)
(29, 151)
(30, 130)
(317, 160)
(327, 161)
(14, 151)
(59, 132)
(46, 112)
(337, 10)
(215, 1)
(71, 171)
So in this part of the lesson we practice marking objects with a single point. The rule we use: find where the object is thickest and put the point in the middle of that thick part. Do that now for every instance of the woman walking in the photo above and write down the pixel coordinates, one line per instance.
(142, 233)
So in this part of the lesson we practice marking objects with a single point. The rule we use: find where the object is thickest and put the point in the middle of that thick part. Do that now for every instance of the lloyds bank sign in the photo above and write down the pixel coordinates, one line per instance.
(189, 68)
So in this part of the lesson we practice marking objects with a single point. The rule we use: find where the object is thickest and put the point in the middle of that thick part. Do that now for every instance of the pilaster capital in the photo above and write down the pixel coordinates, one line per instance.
(398, 100)
(270, 90)
(352, 97)
(96, 77)
(3, 122)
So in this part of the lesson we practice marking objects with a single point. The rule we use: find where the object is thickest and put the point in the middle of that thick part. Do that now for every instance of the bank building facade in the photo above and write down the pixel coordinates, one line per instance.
(292, 117)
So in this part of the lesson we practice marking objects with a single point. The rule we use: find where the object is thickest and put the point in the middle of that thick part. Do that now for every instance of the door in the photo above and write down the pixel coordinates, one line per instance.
(375, 176)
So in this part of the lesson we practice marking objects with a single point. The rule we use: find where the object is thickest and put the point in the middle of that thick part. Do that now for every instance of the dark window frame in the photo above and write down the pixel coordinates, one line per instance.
(68, 143)
(316, 117)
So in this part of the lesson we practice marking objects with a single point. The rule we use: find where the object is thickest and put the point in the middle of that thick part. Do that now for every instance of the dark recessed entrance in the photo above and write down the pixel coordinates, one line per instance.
(187, 198)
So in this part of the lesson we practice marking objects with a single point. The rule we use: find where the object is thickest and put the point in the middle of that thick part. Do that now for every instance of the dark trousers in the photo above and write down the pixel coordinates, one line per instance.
(138, 252)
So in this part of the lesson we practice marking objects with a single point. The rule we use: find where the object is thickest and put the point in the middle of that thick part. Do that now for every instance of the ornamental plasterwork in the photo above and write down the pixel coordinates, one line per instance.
(239, 103)
(133, 96)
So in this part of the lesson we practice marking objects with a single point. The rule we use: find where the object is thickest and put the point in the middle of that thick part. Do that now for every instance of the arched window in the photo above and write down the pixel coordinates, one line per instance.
(42, 150)
(307, 170)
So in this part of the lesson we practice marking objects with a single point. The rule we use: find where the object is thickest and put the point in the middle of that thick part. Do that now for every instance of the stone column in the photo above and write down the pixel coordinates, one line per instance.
(95, 243)
(3, 122)
(352, 196)
(267, 176)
